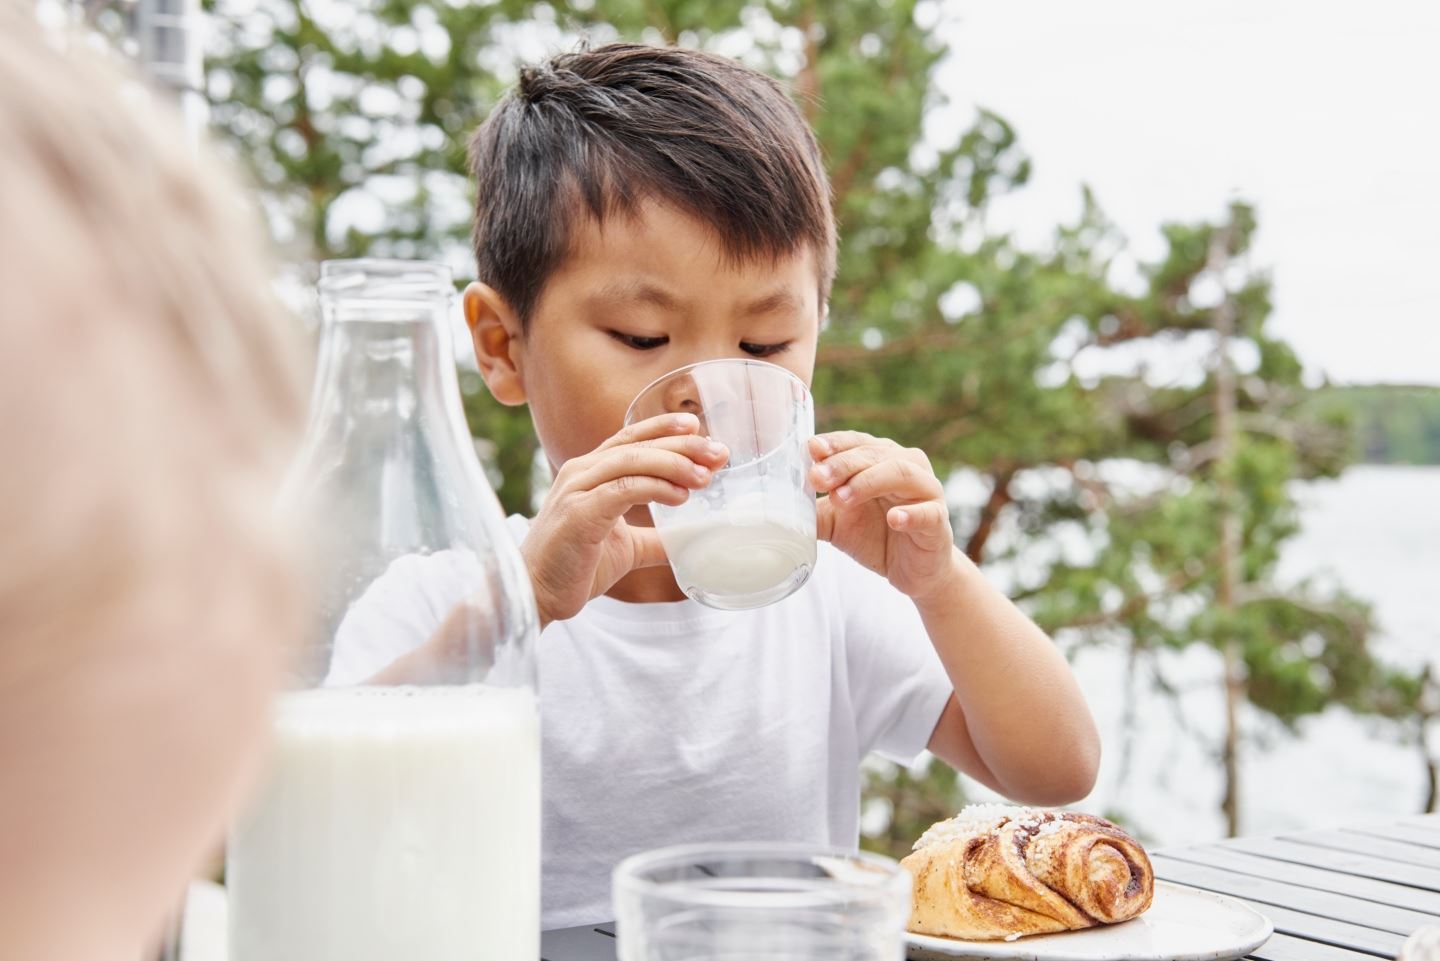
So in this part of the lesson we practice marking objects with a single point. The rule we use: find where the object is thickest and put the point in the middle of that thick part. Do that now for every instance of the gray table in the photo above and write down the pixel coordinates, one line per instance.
(1353, 894)
(1345, 895)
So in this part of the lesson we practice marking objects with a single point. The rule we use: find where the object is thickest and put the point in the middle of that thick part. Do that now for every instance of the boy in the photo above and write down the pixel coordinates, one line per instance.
(640, 209)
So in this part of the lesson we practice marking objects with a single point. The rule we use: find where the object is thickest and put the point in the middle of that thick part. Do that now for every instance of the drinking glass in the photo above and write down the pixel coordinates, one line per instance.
(760, 902)
(748, 538)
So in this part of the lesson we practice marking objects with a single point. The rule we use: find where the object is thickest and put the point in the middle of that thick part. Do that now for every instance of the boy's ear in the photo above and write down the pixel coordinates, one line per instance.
(495, 333)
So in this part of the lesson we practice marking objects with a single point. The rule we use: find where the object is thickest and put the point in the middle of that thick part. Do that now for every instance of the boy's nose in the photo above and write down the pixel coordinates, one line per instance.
(682, 395)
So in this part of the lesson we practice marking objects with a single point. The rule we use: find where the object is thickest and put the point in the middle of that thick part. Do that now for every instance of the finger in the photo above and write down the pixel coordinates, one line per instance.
(599, 509)
(902, 479)
(824, 445)
(661, 425)
(836, 469)
(926, 523)
(637, 461)
(824, 519)
(580, 473)
(649, 551)
(700, 449)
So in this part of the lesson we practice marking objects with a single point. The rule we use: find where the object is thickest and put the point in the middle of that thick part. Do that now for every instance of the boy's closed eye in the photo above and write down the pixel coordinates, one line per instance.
(764, 350)
(638, 341)
(641, 342)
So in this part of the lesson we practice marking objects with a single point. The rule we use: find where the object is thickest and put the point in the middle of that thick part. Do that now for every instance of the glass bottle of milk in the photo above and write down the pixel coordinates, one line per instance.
(400, 814)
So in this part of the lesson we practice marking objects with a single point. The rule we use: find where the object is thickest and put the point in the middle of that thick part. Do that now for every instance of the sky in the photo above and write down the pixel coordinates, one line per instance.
(1325, 115)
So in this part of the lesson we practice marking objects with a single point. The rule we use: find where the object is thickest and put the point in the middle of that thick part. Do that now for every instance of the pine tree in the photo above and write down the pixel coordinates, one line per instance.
(942, 334)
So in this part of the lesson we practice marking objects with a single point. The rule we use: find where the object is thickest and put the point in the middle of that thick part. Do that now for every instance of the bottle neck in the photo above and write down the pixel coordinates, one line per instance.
(392, 369)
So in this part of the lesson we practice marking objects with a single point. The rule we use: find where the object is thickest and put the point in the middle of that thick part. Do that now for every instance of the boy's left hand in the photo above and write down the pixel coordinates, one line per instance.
(885, 507)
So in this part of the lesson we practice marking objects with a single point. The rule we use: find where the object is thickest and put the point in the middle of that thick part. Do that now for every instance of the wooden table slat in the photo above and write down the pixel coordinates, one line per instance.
(1371, 845)
(1307, 900)
(1284, 947)
(1341, 934)
(1364, 865)
(1424, 837)
(1322, 879)
(1354, 893)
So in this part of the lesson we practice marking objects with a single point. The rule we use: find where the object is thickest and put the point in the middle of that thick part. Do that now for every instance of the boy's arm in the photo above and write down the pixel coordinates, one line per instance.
(1024, 729)
(1017, 721)
(579, 545)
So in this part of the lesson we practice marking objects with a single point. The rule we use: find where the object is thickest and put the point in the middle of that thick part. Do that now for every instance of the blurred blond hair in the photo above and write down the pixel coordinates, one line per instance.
(150, 394)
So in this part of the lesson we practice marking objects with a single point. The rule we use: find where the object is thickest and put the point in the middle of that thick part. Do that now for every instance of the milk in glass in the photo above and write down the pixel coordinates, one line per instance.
(726, 556)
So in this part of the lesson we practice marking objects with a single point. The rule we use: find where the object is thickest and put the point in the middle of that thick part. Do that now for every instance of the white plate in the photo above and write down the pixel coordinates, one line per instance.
(1183, 924)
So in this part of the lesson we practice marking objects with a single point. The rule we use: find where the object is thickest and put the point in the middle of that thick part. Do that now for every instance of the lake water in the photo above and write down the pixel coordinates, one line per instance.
(1376, 531)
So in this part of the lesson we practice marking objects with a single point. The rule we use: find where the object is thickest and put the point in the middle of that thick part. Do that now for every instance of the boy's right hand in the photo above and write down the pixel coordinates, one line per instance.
(579, 544)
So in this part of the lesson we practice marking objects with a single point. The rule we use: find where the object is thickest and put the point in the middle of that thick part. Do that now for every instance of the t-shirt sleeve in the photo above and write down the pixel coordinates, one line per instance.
(403, 607)
(898, 687)
(399, 611)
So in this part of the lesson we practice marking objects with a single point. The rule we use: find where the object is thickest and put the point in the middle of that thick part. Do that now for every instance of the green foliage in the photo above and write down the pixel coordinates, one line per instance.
(914, 799)
(512, 440)
(364, 113)
(1027, 367)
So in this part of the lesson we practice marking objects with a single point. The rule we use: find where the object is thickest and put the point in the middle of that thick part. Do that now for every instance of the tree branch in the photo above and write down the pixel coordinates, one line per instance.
(1132, 605)
(1173, 694)
(1250, 594)
(1130, 325)
(999, 498)
(924, 340)
(957, 428)
(655, 13)
(807, 84)
(844, 177)
(889, 413)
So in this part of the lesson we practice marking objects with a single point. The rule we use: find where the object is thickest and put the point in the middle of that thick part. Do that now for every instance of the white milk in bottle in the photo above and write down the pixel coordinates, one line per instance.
(395, 823)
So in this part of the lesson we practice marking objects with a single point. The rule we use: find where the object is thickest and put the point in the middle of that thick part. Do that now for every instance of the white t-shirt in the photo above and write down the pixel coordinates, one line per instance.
(672, 723)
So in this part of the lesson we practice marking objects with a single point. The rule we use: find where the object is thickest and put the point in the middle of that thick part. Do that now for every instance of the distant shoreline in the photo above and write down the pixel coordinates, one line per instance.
(1394, 423)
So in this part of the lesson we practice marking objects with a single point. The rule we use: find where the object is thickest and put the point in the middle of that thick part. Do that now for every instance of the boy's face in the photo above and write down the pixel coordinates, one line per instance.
(635, 300)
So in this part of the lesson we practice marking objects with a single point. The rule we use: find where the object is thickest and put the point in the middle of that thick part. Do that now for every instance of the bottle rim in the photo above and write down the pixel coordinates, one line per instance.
(388, 279)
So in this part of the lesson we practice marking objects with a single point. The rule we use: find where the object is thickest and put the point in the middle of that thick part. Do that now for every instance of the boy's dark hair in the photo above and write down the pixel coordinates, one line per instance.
(601, 130)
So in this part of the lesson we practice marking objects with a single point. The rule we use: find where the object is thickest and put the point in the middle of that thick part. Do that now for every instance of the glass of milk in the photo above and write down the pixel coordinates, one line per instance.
(760, 902)
(748, 538)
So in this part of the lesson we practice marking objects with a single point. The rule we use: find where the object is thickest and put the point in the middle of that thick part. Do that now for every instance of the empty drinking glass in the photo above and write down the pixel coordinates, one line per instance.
(748, 538)
(760, 902)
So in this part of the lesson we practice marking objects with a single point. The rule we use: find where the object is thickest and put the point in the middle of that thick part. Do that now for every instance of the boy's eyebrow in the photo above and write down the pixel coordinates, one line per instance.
(620, 291)
(635, 289)
(779, 299)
